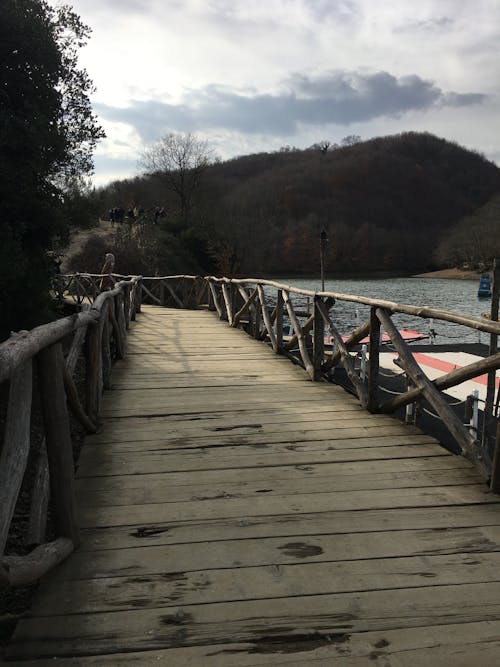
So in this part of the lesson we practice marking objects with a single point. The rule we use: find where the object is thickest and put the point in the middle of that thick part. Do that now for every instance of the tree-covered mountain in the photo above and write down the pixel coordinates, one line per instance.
(386, 204)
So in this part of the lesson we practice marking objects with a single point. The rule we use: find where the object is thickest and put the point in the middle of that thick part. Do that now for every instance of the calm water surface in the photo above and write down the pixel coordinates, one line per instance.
(459, 296)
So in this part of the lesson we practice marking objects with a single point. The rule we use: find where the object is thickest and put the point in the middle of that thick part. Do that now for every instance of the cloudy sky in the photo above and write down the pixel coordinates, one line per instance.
(254, 75)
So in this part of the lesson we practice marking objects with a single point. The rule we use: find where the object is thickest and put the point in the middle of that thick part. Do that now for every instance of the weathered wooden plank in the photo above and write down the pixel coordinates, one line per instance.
(320, 502)
(169, 488)
(442, 521)
(133, 463)
(239, 395)
(158, 439)
(460, 645)
(348, 474)
(214, 425)
(337, 614)
(175, 588)
(221, 421)
(352, 551)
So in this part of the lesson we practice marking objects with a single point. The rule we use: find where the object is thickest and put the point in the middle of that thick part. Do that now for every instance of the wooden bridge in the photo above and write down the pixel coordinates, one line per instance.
(229, 511)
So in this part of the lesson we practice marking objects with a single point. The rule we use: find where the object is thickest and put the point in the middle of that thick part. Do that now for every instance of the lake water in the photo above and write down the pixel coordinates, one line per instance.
(459, 296)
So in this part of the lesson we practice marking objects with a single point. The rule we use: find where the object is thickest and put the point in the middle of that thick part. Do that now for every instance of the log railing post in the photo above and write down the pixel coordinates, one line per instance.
(210, 294)
(495, 467)
(267, 318)
(115, 324)
(257, 319)
(454, 425)
(16, 445)
(138, 299)
(318, 340)
(308, 365)
(39, 498)
(374, 361)
(58, 439)
(493, 348)
(228, 302)
(106, 346)
(279, 321)
(120, 316)
(93, 374)
(126, 306)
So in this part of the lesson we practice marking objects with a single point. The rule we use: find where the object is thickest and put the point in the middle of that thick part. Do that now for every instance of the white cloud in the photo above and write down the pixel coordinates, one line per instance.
(228, 69)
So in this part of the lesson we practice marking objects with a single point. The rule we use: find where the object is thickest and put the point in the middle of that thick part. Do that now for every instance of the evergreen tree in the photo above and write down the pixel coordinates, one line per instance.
(47, 134)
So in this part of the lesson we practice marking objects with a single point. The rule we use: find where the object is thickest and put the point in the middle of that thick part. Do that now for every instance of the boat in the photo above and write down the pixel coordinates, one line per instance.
(484, 290)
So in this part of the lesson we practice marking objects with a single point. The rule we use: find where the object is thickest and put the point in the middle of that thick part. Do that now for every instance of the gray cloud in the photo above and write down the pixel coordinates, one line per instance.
(437, 24)
(336, 97)
(343, 11)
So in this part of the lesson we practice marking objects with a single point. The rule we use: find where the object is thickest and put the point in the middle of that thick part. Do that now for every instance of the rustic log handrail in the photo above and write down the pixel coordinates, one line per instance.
(249, 309)
(98, 327)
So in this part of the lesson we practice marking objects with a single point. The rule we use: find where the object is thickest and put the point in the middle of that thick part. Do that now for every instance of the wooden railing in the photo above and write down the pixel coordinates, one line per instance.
(39, 367)
(173, 291)
(260, 307)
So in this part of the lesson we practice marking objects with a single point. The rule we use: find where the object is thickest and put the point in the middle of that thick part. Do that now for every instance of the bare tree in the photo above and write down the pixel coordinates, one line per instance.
(179, 160)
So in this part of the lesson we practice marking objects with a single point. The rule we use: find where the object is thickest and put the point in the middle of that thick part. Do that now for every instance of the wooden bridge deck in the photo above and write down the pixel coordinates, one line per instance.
(235, 513)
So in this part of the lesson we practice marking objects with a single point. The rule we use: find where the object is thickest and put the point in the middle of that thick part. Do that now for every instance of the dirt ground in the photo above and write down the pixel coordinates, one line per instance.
(104, 230)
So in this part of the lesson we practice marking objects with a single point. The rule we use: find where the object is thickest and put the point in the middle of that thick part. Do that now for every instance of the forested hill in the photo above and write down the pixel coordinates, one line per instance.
(385, 204)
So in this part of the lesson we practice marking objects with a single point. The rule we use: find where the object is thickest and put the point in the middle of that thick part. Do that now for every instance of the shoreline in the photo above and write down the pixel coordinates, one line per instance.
(452, 274)
(456, 274)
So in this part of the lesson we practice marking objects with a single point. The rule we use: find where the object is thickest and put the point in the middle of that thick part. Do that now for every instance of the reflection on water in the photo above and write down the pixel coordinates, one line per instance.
(459, 296)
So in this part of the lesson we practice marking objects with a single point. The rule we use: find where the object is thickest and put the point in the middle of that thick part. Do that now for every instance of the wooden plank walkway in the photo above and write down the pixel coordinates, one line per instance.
(235, 513)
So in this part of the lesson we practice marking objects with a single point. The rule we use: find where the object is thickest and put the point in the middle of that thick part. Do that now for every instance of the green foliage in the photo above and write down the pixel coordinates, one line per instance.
(47, 133)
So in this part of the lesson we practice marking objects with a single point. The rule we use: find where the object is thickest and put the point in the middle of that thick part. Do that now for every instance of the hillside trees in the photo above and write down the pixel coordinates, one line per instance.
(475, 239)
(386, 204)
(178, 161)
(47, 134)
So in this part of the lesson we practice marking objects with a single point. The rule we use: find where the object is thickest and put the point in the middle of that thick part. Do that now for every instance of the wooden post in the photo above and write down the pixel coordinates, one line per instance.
(126, 306)
(373, 362)
(211, 301)
(247, 307)
(431, 394)
(267, 320)
(120, 316)
(300, 335)
(257, 322)
(119, 342)
(226, 293)
(495, 467)
(106, 347)
(74, 404)
(93, 375)
(318, 340)
(493, 348)
(16, 445)
(346, 358)
(58, 439)
(138, 300)
(215, 299)
(279, 322)
(39, 499)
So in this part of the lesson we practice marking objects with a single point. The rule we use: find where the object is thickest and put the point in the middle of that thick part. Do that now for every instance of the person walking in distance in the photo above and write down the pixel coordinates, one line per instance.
(107, 280)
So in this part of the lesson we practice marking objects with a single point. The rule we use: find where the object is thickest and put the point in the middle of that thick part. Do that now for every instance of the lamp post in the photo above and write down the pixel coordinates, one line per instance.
(323, 240)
